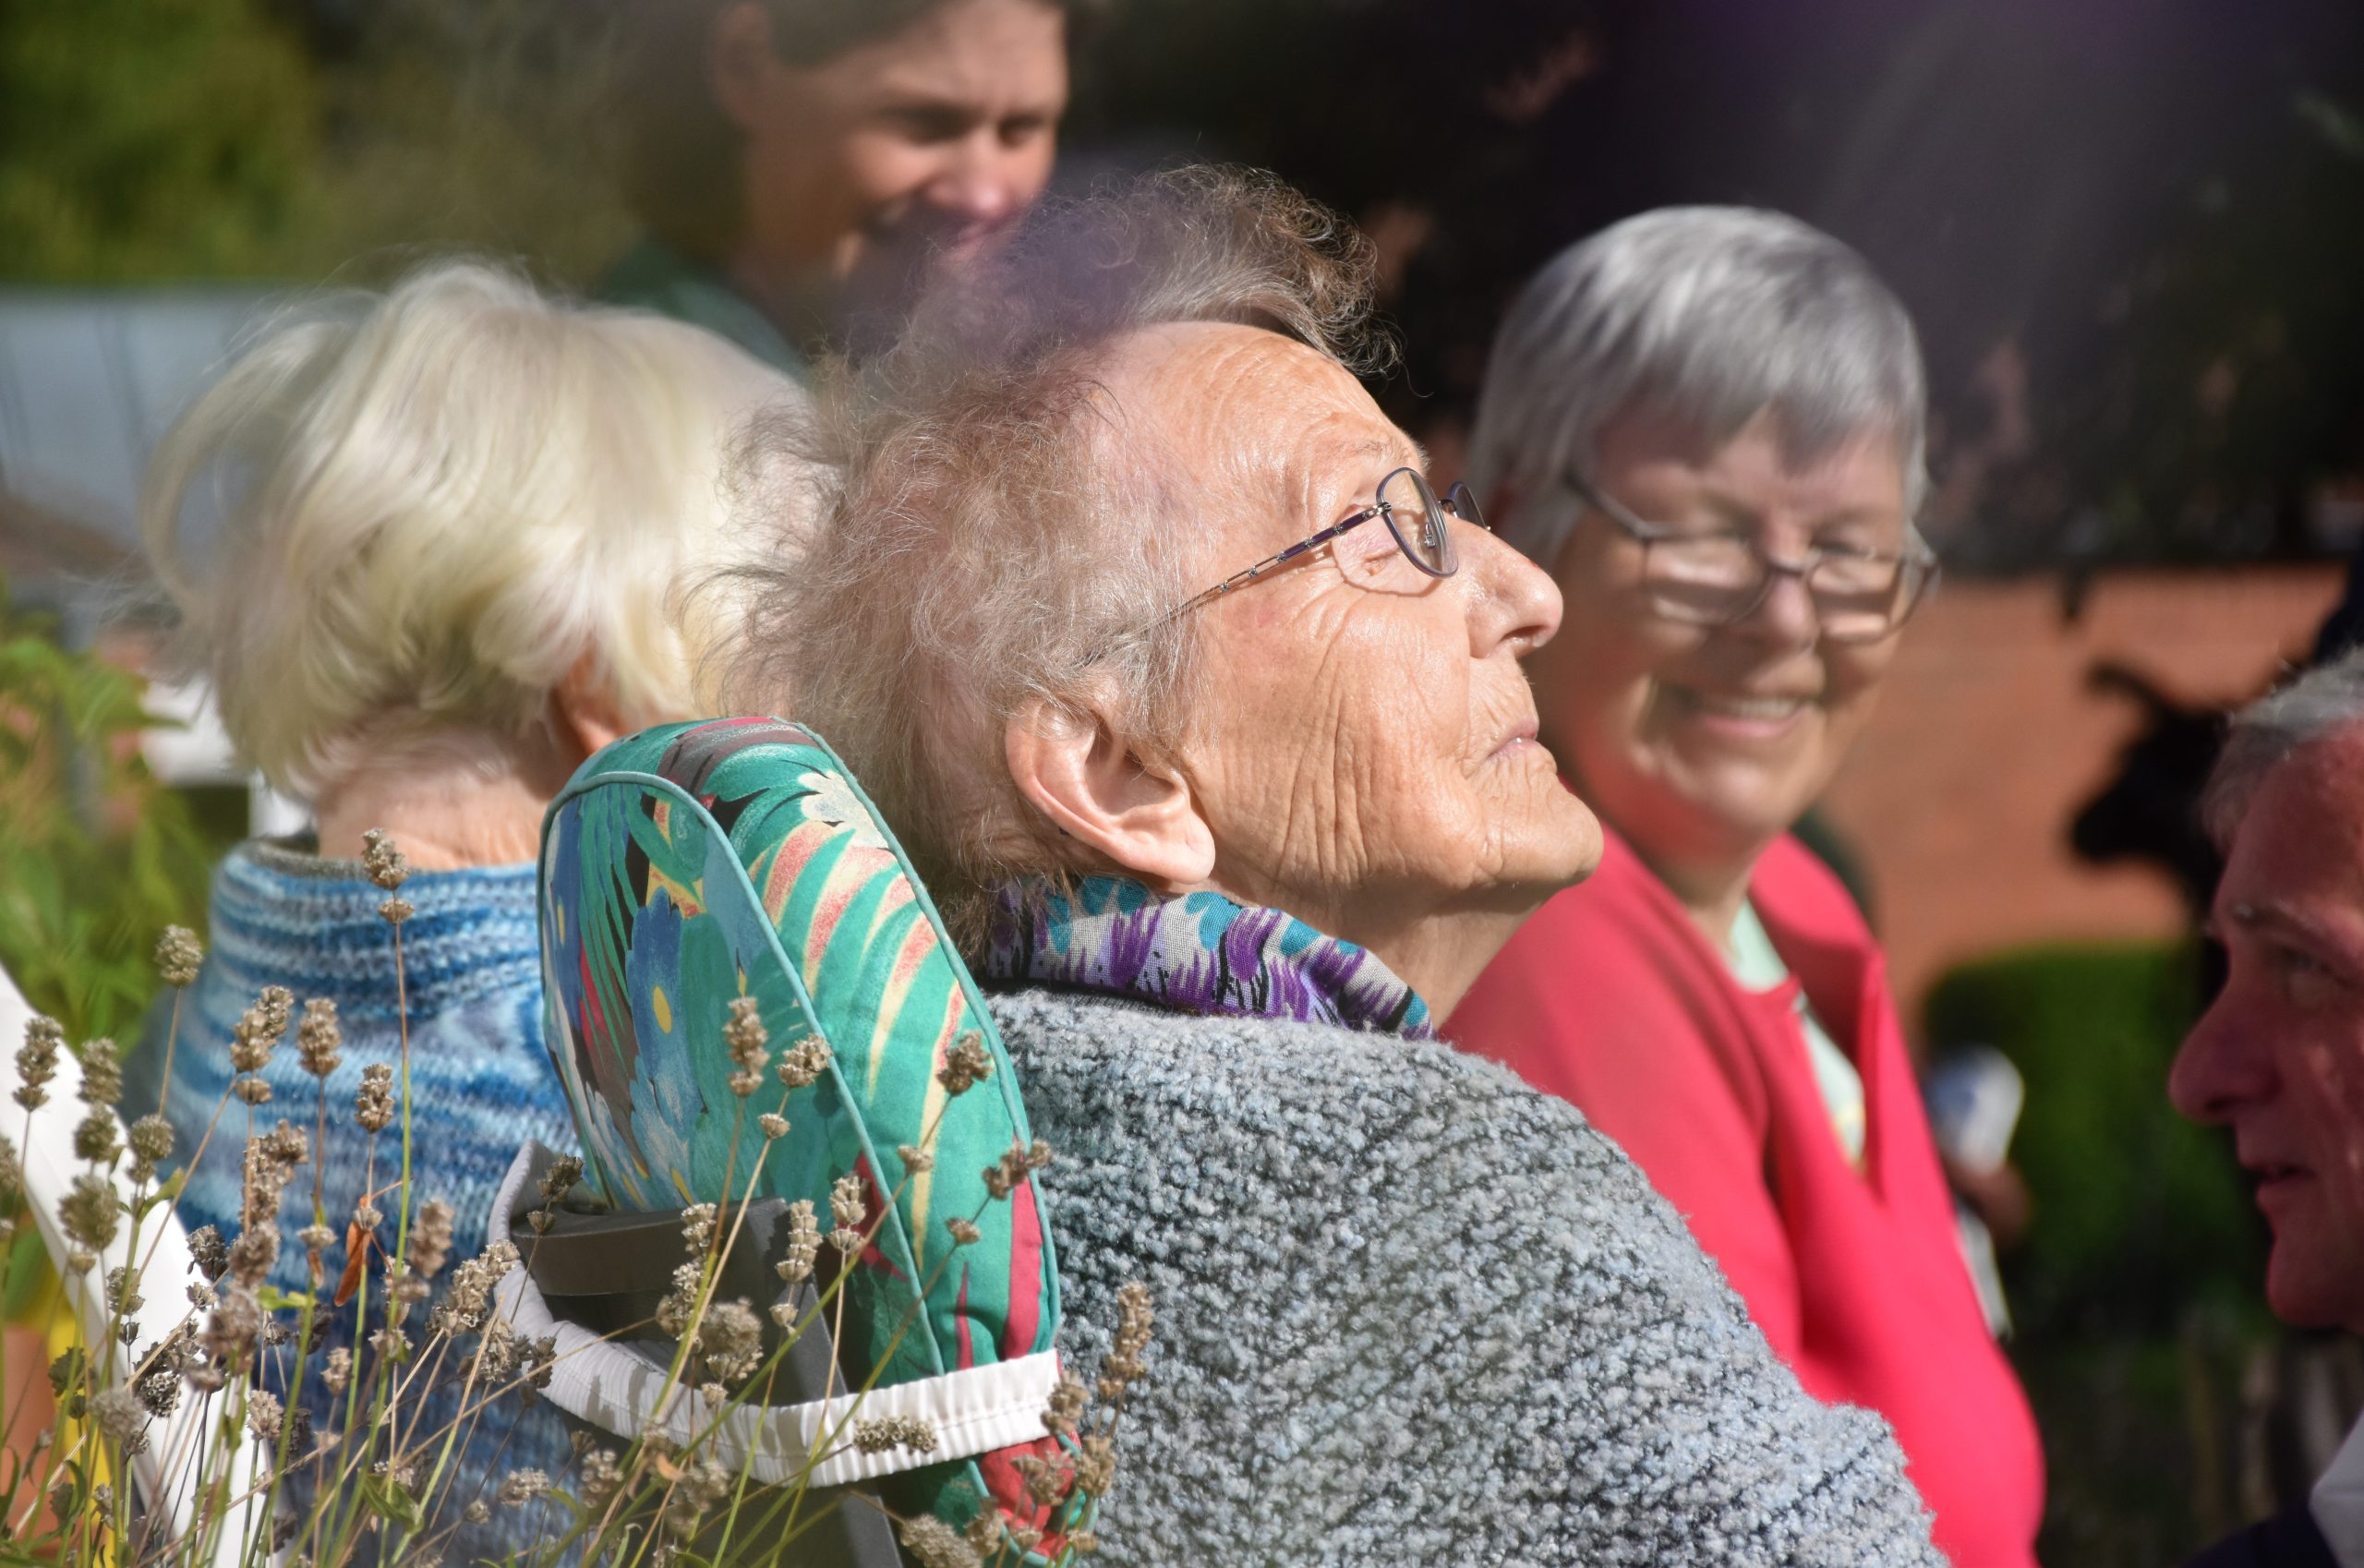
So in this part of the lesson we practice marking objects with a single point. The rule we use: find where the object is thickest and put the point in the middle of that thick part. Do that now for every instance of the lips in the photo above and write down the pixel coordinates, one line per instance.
(1751, 714)
(2276, 1181)
(1520, 738)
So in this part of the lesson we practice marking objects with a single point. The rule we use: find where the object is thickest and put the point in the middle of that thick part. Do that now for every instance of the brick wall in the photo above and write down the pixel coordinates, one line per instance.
(1987, 741)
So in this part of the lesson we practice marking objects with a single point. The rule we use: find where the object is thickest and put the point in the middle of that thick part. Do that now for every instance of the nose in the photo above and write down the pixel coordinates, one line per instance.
(1516, 605)
(1783, 614)
(2224, 1064)
(985, 182)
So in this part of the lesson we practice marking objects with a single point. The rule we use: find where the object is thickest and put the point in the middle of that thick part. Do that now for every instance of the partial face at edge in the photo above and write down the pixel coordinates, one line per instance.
(938, 136)
(1365, 755)
(1702, 742)
(2279, 1056)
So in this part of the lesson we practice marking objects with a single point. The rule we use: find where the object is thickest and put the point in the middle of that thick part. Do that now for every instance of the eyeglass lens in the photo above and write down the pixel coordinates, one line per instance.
(1419, 520)
(1718, 580)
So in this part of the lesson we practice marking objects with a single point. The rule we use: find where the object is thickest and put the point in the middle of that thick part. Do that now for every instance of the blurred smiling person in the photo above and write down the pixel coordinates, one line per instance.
(802, 164)
(1706, 423)
(2279, 1056)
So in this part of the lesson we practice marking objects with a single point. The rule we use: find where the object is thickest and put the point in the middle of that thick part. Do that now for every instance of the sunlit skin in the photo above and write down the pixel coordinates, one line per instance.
(1701, 745)
(1365, 755)
(464, 798)
(2279, 1058)
(856, 171)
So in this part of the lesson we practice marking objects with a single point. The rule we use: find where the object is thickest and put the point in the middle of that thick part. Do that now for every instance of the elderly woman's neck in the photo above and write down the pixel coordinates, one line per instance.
(449, 803)
(1441, 952)
(1711, 889)
(1437, 950)
(1441, 958)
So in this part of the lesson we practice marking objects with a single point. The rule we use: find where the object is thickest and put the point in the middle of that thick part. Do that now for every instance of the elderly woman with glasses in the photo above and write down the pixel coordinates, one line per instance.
(1707, 424)
(1227, 853)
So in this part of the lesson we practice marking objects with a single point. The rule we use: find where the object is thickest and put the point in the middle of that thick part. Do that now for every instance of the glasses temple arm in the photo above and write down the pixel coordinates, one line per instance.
(1242, 578)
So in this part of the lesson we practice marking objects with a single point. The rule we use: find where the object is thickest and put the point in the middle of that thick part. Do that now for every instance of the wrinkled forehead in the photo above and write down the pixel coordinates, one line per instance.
(2302, 836)
(1255, 437)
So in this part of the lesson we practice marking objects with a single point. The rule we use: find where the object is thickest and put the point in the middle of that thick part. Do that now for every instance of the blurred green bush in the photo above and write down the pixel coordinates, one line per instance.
(2139, 1214)
(97, 857)
(156, 140)
(2141, 1323)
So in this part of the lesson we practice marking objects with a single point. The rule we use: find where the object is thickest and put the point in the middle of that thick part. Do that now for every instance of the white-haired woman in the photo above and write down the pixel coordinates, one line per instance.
(1708, 424)
(457, 524)
(1199, 708)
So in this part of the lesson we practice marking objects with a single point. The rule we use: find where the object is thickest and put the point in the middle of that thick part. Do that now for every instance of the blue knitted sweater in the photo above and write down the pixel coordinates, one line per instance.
(480, 1084)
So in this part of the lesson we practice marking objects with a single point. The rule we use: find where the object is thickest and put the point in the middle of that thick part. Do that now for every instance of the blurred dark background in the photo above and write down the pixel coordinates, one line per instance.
(2130, 230)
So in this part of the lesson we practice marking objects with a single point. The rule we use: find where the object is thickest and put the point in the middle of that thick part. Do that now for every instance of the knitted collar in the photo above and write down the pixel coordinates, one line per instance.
(281, 916)
(1197, 953)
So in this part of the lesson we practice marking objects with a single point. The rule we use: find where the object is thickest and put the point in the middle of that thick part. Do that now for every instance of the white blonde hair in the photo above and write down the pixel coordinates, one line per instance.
(436, 504)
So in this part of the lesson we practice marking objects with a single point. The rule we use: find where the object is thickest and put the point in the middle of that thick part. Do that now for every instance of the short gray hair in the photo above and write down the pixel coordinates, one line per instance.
(1708, 315)
(2319, 704)
(984, 545)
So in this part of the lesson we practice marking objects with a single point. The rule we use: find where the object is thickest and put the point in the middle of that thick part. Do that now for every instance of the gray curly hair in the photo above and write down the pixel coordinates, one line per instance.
(989, 541)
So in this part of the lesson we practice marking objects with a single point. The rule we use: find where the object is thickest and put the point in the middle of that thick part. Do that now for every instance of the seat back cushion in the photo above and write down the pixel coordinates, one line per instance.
(693, 863)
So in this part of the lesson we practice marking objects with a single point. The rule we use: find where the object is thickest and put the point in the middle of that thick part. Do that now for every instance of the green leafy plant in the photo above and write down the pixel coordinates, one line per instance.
(97, 855)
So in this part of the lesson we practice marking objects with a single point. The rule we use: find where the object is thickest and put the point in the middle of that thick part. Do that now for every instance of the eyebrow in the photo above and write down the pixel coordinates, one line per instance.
(1304, 475)
(1733, 509)
(2279, 921)
(895, 100)
(1379, 450)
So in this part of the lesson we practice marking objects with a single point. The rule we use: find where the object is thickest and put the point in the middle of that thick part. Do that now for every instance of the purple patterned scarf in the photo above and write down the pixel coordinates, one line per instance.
(1197, 953)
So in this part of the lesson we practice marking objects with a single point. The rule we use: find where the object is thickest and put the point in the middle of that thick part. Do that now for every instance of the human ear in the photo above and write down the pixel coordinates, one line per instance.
(741, 63)
(1098, 791)
(584, 711)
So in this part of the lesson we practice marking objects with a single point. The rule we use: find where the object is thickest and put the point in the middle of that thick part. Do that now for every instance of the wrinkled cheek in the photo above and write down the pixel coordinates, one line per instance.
(2336, 1073)
(1280, 813)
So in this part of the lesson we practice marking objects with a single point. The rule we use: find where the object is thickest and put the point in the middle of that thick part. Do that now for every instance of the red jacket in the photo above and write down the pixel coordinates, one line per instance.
(1612, 997)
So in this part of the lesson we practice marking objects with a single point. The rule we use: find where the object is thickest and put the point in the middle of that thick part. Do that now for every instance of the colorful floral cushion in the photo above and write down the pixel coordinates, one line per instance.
(693, 863)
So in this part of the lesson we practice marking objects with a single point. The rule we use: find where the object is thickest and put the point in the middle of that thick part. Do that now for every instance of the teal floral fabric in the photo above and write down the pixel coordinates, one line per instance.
(696, 864)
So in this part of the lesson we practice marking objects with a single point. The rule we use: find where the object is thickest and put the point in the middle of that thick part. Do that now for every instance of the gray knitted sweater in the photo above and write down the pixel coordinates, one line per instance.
(1412, 1311)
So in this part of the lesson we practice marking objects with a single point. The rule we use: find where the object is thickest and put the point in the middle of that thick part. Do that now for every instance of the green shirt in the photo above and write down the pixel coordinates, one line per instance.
(1756, 966)
(652, 275)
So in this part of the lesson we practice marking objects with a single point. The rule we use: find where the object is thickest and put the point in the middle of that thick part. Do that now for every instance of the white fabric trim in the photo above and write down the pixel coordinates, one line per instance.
(615, 1387)
(167, 1471)
(2337, 1503)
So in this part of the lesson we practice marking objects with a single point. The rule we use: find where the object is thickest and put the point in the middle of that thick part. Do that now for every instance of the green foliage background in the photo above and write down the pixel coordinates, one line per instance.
(97, 857)
(152, 141)
(2140, 1214)
(2135, 1292)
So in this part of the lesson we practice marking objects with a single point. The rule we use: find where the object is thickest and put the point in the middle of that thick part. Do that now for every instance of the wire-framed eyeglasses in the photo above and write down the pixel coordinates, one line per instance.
(1418, 524)
(1859, 595)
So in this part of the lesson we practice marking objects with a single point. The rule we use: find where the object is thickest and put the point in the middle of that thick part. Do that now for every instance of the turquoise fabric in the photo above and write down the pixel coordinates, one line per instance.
(696, 864)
